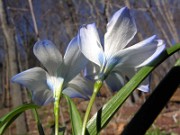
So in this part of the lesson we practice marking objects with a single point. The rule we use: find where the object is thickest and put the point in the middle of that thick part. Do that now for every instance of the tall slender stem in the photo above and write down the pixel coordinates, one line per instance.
(56, 109)
(97, 86)
(56, 115)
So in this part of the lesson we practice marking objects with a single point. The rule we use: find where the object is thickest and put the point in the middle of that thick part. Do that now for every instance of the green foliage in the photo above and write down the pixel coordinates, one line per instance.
(76, 121)
(6, 120)
(39, 125)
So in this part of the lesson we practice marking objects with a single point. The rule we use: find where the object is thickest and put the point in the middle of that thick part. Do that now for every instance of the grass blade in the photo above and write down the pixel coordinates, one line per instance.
(6, 120)
(76, 120)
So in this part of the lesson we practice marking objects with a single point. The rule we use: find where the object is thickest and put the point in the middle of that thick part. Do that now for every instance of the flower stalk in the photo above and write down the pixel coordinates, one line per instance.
(56, 109)
(97, 87)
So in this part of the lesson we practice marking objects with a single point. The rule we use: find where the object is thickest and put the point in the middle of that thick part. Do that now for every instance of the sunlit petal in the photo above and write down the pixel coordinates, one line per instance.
(90, 45)
(74, 61)
(140, 54)
(48, 54)
(120, 31)
(160, 47)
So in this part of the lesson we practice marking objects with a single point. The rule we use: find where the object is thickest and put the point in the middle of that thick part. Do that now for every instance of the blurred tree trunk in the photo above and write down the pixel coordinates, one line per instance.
(9, 34)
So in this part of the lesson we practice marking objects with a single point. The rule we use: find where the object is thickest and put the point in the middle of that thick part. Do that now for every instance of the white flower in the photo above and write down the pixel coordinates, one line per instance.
(112, 58)
(44, 84)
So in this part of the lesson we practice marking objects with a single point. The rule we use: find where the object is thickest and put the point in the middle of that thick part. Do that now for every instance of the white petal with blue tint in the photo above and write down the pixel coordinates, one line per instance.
(90, 45)
(48, 54)
(74, 61)
(160, 47)
(140, 54)
(34, 78)
(120, 31)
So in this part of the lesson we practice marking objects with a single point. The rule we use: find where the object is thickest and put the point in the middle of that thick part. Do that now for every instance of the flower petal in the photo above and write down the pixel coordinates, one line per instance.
(79, 87)
(120, 31)
(34, 78)
(73, 93)
(115, 81)
(48, 54)
(144, 88)
(74, 61)
(90, 45)
(159, 48)
(140, 54)
(42, 97)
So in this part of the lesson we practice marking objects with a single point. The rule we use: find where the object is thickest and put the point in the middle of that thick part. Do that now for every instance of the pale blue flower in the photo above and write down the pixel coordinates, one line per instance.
(112, 60)
(58, 72)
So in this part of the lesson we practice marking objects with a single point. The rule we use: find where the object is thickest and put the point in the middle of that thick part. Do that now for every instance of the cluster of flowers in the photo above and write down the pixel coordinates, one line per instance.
(111, 62)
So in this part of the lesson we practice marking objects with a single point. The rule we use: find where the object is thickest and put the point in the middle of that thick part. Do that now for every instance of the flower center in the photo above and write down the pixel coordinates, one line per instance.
(54, 83)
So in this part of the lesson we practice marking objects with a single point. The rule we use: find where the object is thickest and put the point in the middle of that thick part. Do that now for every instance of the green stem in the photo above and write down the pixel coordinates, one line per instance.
(97, 86)
(56, 109)
(56, 115)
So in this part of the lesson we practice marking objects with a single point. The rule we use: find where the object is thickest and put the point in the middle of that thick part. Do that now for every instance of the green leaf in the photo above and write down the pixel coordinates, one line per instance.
(38, 122)
(6, 125)
(6, 120)
(76, 120)
(103, 116)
